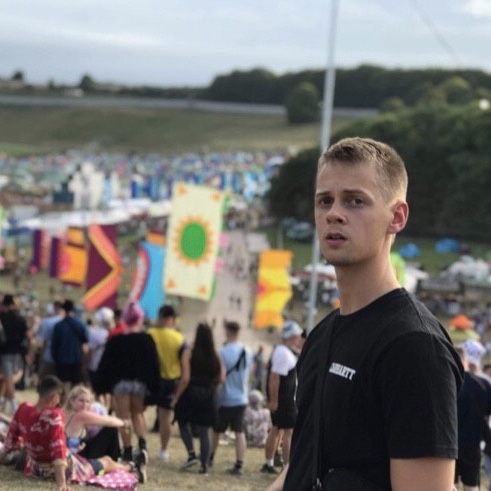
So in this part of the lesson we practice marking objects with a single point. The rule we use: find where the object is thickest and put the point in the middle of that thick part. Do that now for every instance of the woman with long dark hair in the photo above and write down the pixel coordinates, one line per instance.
(196, 409)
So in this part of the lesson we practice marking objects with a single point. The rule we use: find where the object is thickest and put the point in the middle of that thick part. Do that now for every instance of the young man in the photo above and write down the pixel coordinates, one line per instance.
(68, 345)
(40, 428)
(379, 377)
(174, 356)
(233, 396)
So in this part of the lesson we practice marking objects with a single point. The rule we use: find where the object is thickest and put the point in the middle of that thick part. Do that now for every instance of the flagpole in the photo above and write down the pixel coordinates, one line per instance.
(327, 109)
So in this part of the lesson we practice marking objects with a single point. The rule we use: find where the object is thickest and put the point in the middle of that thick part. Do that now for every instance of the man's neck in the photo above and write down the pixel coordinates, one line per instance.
(360, 285)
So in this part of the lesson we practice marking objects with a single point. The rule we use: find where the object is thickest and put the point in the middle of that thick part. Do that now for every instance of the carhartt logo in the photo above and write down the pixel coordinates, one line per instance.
(342, 371)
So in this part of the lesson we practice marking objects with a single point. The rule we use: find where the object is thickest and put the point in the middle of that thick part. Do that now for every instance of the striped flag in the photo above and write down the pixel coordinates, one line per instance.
(105, 267)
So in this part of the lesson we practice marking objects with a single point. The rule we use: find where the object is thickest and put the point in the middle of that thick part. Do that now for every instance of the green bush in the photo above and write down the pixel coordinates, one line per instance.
(302, 105)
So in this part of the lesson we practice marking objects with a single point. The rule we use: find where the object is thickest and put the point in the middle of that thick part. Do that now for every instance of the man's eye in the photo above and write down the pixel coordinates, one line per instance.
(325, 201)
(355, 201)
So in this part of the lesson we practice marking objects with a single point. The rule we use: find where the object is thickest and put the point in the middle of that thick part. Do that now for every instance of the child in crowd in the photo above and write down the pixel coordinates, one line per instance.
(257, 420)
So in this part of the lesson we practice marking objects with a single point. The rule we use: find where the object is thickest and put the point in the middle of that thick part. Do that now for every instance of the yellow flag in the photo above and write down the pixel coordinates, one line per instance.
(273, 288)
(193, 240)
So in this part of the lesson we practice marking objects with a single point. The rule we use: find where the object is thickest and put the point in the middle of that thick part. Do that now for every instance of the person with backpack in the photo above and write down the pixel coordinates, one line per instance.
(68, 347)
(281, 389)
(233, 396)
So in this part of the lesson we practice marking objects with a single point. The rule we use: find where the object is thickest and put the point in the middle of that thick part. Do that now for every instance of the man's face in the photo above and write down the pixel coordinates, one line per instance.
(351, 215)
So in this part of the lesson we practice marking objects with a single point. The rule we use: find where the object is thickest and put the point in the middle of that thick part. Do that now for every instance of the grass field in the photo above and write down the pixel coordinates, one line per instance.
(48, 129)
(429, 259)
(167, 476)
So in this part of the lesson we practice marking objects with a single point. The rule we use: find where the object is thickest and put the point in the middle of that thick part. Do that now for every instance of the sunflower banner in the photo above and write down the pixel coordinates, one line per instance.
(193, 240)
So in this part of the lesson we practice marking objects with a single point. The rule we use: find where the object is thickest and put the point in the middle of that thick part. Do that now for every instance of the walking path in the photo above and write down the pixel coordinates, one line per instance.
(233, 299)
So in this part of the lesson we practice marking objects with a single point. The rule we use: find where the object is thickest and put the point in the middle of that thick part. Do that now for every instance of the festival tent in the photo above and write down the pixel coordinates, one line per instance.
(461, 321)
(461, 329)
(409, 250)
(447, 245)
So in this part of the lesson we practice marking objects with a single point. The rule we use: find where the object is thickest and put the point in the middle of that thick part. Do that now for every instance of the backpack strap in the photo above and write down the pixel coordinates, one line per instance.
(236, 367)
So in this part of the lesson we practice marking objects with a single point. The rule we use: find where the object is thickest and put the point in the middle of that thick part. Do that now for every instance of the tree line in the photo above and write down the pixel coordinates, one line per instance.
(365, 86)
(447, 151)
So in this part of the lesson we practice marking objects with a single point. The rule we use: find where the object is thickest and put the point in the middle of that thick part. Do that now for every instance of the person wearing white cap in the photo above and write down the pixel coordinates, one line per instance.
(474, 351)
(281, 388)
(98, 333)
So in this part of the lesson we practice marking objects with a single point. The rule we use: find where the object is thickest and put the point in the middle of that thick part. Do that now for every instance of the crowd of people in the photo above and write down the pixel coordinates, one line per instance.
(375, 398)
(96, 377)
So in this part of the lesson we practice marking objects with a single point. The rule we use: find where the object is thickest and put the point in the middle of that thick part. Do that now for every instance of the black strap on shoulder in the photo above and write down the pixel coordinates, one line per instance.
(322, 367)
(241, 359)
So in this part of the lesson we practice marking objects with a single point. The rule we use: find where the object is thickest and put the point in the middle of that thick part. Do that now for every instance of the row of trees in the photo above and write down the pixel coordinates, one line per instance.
(447, 151)
(366, 86)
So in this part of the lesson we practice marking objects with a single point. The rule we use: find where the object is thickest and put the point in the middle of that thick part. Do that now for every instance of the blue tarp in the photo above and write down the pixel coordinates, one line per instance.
(409, 250)
(447, 245)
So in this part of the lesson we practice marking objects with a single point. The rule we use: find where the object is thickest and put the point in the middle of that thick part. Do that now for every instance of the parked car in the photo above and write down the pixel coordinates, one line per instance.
(301, 231)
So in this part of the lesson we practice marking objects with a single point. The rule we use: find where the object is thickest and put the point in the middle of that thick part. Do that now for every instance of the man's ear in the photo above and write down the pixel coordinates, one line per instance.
(400, 214)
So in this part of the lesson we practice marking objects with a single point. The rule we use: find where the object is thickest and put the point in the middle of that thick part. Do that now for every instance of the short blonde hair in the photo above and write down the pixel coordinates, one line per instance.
(389, 165)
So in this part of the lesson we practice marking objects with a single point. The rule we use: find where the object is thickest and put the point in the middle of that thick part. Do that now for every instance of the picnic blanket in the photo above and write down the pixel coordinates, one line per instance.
(118, 480)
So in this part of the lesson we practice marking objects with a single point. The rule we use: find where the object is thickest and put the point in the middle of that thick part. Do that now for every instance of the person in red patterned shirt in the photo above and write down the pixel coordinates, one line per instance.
(40, 428)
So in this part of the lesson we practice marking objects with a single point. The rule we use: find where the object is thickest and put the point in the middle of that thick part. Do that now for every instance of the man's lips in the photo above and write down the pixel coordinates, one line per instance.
(334, 236)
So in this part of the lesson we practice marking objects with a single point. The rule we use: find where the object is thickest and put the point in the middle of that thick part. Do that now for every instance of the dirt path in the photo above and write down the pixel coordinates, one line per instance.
(233, 299)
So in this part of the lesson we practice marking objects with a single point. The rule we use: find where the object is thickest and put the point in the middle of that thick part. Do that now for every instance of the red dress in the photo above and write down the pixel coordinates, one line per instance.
(42, 432)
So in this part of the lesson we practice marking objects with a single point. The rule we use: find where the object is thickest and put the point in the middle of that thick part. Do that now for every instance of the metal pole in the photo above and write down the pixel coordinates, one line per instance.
(327, 109)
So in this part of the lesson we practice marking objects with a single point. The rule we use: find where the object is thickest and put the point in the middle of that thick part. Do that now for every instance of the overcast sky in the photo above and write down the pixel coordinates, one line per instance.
(188, 42)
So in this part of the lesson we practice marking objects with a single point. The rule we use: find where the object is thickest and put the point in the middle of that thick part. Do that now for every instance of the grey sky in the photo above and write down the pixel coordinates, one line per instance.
(189, 42)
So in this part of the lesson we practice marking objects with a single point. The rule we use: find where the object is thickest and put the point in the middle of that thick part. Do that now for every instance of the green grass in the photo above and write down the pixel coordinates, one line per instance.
(167, 476)
(429, 259)
(40, 130)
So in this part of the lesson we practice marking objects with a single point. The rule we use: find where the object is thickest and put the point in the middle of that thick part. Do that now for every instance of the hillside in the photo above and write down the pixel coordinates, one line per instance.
(27, 130)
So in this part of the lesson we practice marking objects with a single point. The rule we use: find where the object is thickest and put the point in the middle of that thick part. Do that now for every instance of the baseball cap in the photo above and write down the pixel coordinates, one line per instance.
(474, 351)
(105, 315)
(290, 329)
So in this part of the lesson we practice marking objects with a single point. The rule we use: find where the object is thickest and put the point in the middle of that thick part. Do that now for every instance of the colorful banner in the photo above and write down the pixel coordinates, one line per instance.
(55, 256)
(75, 236)
(147, 287)
(37, 244)
(72, 264)
(72, 257)
(105, 268)
(193, 240)
(273, 288)
(156, 238)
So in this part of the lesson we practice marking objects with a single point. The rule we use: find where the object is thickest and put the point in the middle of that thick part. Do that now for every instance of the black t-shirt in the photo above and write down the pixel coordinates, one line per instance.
(390, 391)
(474, 404)
(15, 328)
